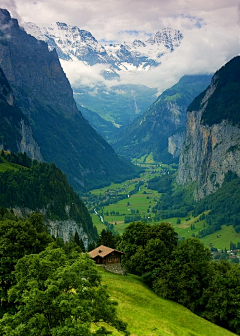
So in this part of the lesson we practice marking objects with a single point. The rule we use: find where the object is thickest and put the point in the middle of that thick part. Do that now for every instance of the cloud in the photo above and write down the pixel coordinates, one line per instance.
(202, 51)
(210, 28)
(106, 18)
(11, 6)
(80, 74)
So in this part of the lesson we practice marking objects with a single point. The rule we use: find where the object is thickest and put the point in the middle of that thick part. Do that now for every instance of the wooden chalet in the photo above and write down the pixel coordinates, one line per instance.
(103, 255)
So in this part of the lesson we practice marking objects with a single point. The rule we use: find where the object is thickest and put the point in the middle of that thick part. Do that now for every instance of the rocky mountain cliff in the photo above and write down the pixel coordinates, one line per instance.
(44, 94)
(15, 131)
(212, 144)
(161, 129)
(73, 43)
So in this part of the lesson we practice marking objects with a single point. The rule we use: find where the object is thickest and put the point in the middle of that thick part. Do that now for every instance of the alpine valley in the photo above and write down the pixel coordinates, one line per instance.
(118, 104)
(167, 201)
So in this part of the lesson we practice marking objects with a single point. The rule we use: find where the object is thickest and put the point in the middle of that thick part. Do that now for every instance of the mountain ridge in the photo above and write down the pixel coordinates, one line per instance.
(43, 93)
(73, 43)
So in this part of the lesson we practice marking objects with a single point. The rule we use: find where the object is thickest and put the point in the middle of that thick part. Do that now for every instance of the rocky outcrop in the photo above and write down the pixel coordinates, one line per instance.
(16, 132)
(175, 143)
(211, 150)
(28, 143)
(64, 229)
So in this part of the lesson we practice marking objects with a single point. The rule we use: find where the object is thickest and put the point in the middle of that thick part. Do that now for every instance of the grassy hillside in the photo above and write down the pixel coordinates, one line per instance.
(150, 315)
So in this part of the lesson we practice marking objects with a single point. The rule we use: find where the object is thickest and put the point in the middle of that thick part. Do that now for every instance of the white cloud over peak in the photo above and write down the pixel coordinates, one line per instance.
(211, 31)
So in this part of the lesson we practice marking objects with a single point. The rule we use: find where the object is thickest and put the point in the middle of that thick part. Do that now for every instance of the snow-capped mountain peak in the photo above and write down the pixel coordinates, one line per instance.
(73, 43)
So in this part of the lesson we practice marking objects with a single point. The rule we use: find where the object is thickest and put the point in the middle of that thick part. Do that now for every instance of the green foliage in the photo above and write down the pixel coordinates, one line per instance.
(42, 186)
(222, 297)
(162, 184)
(224, 205)
(186, 274)
(107, 238)
(174, 202)
(18, 238)
(58, 295)
(147, 247)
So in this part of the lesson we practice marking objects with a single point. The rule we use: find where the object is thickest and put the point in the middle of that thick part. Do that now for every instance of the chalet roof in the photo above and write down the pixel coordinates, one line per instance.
(102, 251)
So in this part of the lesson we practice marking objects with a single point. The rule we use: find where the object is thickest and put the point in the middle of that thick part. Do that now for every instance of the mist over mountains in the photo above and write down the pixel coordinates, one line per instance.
(43, 93)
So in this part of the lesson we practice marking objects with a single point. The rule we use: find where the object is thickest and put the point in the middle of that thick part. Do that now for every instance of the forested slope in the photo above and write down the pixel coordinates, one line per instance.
(41, 187)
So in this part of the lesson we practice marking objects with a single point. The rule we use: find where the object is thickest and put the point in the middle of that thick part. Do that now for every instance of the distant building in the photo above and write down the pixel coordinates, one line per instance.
(103, 255)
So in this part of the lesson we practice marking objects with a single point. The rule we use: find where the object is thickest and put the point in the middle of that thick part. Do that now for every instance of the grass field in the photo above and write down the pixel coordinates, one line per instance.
(4, 166)
(142, 202)
(150, 315)
(226, 235)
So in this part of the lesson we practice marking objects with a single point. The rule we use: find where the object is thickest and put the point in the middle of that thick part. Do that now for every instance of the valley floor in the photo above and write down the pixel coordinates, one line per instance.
(141, 203)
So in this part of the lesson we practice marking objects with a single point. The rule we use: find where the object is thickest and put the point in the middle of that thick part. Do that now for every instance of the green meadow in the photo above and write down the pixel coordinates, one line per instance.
(147, 314)
(4, 166)
(142, 202)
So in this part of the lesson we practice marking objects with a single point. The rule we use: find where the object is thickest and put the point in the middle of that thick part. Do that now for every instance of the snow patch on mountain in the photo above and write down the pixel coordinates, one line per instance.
(73, 43)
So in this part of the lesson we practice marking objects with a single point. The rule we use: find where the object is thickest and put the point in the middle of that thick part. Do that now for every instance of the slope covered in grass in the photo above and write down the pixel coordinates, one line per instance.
(150, 315)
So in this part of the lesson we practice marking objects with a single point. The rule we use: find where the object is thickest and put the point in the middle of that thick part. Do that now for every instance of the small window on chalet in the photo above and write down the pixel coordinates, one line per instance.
(110, 260)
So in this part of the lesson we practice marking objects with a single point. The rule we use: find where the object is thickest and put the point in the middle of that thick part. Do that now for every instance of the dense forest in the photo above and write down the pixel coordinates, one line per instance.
(41, 187)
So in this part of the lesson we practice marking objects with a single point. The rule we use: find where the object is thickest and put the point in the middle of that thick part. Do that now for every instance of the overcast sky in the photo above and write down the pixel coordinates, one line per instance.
(211, 30)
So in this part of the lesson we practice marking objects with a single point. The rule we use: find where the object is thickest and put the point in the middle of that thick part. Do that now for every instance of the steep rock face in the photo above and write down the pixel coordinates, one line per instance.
(15, 131)
(212, 148)
(44, 94)
(64, 229)
(28, 143)
(150, 132)
(34, 74)
(175, 143)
